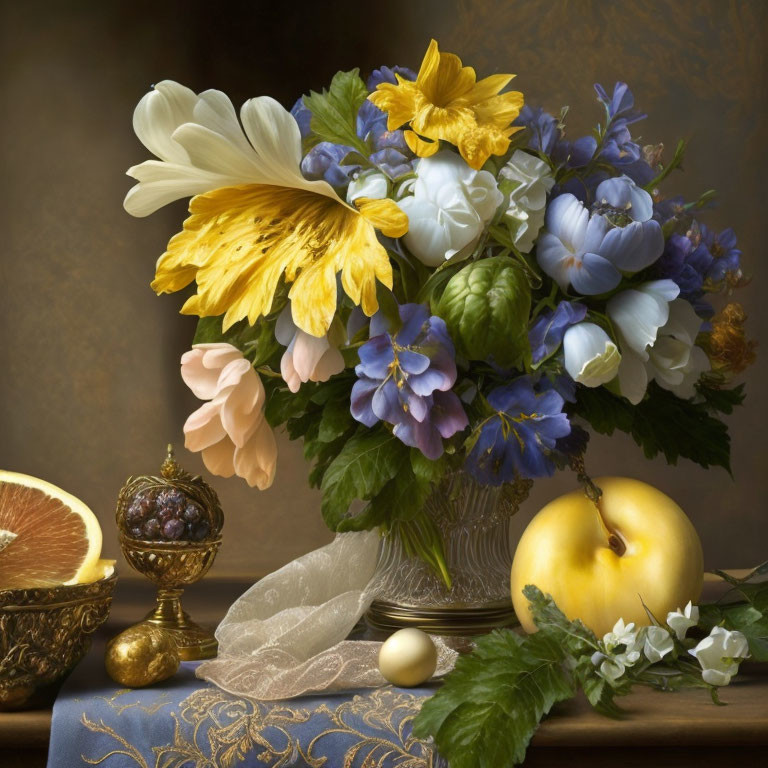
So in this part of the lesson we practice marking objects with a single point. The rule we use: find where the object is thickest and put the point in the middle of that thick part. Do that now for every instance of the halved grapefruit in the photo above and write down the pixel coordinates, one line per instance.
(47, 536)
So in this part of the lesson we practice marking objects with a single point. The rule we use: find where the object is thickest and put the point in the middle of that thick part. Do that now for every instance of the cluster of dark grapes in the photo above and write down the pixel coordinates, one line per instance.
(166, 515)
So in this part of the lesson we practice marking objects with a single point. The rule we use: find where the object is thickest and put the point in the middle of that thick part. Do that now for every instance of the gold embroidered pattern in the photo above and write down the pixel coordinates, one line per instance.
(214, 729)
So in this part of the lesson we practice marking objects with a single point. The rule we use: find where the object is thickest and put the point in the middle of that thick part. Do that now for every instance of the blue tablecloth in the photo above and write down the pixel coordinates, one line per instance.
(187, 723)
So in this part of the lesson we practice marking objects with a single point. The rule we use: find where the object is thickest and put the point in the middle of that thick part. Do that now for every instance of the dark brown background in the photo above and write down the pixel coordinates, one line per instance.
(89, 385)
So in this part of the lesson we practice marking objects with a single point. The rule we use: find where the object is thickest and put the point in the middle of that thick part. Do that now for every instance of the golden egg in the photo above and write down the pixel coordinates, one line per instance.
(408, 658)
(140, 656)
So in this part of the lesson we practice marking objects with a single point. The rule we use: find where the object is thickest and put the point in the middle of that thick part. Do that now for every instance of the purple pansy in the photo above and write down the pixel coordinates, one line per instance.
(546, 334)
(518, 438)
(405, 379)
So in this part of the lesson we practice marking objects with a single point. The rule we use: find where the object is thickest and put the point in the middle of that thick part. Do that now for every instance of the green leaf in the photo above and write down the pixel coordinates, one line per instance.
(282, 404)
(572, 635)
(662, 423)
(336, 419)
(489, 707)
(722, 400)
(402, 498)
(749, 617)
(368, 461)
(334, 111)
(486, 306)
(428, 470)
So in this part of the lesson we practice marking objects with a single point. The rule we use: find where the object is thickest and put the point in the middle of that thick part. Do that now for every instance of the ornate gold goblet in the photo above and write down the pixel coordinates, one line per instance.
(171, 554)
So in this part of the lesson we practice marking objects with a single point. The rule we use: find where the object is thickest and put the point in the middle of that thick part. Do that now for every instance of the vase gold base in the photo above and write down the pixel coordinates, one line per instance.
(193, 641)
(388, 617)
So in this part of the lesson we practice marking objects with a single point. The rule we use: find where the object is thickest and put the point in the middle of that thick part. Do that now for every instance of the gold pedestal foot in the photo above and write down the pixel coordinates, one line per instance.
(193, 641)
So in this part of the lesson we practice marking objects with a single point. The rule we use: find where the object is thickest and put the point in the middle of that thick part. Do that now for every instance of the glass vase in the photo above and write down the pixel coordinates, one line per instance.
(474, 522)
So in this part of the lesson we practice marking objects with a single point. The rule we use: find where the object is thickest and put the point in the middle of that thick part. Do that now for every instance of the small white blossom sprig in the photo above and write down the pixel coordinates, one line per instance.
(659, 656)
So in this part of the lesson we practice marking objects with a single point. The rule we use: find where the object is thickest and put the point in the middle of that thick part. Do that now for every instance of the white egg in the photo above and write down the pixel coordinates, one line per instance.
(408, 658)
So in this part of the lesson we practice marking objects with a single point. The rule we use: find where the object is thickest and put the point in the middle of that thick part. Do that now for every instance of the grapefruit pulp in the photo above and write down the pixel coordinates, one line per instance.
(47, 536)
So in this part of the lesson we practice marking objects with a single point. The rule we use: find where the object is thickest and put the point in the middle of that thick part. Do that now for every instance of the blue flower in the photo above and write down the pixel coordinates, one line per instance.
(618, 147)
(519, 438)
(590, 252)
(544, 133)
(387, 75)
(575, 154)
(726, 256)
(324, 161)
(405, 379)
(302, 116)
(699, 261)
(668, 209)
(620, 195)
(546, 334)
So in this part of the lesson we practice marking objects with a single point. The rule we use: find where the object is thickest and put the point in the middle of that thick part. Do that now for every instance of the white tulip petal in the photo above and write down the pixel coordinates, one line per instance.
(591, 357)
(256, 461)
(331, 363)
(232, 373)
(203, 428)
(638, 315)
(633, 377)
(218, 458)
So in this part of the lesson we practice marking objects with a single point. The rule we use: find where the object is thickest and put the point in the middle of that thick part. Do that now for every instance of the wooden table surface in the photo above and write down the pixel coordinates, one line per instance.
(660, 729)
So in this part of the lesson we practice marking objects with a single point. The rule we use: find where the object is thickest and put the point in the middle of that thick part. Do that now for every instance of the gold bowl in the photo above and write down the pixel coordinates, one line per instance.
(44, 632)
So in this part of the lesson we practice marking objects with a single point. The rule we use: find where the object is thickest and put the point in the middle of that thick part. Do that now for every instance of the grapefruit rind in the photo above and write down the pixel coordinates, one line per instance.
(89, 566)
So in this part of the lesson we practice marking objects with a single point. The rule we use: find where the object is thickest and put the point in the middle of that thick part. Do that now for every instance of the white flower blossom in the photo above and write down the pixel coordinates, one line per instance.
(374, 186)
(591, 358)
(681, 620)
(621, 635)
(720, 655)
(613, 665)
(307, 357)
(612, 669)
(657, 334)
(528, 180)
(448, 206)
(657, 643)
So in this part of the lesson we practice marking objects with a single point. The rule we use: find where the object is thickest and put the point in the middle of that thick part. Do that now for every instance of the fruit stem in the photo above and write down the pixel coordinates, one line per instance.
(595, 494)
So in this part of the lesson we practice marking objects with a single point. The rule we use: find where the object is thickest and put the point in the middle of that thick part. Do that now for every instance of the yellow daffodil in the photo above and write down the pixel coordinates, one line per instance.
(447, 102)
(255, 218)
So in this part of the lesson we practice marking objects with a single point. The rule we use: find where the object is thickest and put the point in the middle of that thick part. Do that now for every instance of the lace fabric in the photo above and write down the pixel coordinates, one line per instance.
(286, 636)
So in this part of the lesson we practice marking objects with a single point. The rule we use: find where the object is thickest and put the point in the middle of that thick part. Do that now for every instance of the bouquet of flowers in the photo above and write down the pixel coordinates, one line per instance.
(417, 274)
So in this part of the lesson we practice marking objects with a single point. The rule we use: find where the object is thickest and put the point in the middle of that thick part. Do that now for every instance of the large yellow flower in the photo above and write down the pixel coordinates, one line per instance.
(446, 102)
(255, 217)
